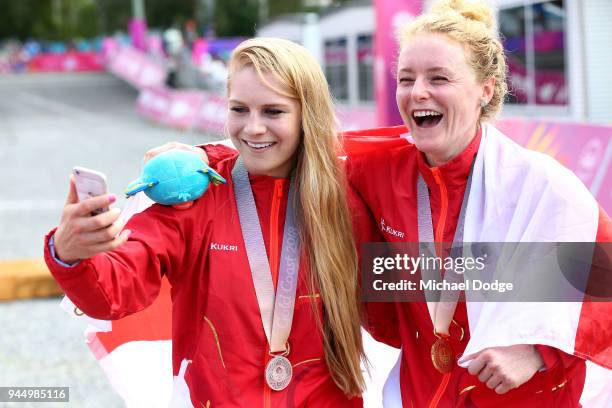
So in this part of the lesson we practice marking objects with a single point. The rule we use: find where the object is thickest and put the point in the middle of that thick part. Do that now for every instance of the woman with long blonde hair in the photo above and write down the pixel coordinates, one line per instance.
(263, 270)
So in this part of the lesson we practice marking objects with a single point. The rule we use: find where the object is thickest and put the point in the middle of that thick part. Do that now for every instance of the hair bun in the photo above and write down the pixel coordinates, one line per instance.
(471, 10)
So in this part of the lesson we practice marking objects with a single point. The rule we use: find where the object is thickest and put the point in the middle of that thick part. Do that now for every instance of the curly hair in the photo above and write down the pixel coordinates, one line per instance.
(472, 24)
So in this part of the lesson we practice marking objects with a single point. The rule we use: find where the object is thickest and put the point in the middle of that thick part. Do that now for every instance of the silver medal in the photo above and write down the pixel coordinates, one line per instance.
(278, 373)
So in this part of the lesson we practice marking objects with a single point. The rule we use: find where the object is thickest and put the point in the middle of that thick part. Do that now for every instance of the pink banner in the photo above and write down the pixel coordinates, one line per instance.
(389, 15)
(583, 148)
(135, 67)
(72, 61)
(179, 109)
(604, 194)
(184, 108)
(213, 114)
(154, 103)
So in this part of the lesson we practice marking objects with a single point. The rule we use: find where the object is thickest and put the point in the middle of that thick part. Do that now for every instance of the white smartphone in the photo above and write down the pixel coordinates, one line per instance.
(90, 183)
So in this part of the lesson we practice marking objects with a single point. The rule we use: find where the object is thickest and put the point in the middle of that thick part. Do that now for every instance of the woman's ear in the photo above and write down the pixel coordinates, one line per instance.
(488, 88)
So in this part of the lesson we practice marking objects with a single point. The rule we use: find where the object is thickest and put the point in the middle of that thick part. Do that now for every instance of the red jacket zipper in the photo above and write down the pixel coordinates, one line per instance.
(439, 236)
(439, 239)
(277, 198)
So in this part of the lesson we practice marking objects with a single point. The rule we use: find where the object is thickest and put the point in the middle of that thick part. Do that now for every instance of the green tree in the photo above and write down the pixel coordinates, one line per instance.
(113, 15)
(280, 7)
(48, 19)
(18, 18)
(236, 18)
(69, 19)
(165, 13)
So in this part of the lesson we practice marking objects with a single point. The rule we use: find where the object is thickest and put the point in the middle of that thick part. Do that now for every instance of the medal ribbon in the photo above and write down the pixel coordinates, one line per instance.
(442, 305)
(276, 310)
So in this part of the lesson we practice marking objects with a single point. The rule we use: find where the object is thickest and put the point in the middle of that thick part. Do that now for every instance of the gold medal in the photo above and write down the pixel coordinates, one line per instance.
(278, 373)
(442, 355)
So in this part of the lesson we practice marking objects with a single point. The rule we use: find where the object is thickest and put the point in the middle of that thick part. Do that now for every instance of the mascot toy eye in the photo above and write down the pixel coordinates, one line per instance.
(174, 177)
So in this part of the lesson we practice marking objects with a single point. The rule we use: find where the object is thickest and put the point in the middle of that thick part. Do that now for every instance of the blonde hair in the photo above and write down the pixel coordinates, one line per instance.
(472, 25)
(323, 214)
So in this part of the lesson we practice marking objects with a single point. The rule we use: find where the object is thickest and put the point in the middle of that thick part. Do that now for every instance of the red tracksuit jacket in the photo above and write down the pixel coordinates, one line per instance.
(390, 193)
(216, 319)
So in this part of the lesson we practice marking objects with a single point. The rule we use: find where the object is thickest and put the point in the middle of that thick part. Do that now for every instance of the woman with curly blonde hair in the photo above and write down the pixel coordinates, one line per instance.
(462, 180)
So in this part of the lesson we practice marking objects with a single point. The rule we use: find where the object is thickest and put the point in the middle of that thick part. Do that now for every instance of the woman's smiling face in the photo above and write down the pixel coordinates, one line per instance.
(438, 95)
(264, 125)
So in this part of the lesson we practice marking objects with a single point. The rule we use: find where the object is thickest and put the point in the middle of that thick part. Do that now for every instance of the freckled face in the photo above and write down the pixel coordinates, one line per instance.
(264, 125)
(438, 95)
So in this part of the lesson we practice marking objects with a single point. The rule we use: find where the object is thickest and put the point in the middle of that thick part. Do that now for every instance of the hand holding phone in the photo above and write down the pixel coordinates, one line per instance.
(87, 226)
(90, 183)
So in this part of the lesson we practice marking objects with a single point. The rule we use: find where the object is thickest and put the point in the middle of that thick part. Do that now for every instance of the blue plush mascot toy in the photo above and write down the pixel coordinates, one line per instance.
(174, 177)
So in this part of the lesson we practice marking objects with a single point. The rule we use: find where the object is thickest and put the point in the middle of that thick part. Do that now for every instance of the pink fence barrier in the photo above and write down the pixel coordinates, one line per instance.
(154, 103)
(183, 109)
(170, 107)
(71, 61)
(136, 67)
(212, 114)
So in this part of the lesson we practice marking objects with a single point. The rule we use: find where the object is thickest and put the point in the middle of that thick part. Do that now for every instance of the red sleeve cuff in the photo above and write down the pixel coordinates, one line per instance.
(549, 355)
(552, 356)
(59, 271)
(80, 284)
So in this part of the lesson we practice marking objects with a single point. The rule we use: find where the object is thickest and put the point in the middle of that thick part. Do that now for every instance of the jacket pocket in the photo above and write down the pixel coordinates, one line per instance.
(207, 374)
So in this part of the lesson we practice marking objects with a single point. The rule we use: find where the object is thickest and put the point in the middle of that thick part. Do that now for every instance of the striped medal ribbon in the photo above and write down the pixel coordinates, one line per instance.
(276, 309)
(441, 304)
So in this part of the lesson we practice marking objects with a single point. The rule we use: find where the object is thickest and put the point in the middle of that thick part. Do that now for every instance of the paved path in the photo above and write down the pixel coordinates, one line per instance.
(49, 123)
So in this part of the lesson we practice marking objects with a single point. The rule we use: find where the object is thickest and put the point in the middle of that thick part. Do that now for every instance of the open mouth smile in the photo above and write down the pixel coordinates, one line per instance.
(259, 146)
(426, 118)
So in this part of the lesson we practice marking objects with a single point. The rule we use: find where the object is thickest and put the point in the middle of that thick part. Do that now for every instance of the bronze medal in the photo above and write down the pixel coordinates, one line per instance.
(278, 373)
(442, 355)
(276, 306)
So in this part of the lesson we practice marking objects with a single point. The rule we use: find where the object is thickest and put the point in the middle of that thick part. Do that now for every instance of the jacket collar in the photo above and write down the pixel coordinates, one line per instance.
(456, 171)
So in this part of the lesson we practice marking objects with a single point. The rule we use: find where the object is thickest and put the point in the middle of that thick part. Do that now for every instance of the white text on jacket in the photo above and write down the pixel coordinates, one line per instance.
(223, 247)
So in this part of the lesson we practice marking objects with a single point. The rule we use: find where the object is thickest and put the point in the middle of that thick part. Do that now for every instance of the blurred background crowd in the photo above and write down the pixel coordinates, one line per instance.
(99, 82)
(193, 38)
